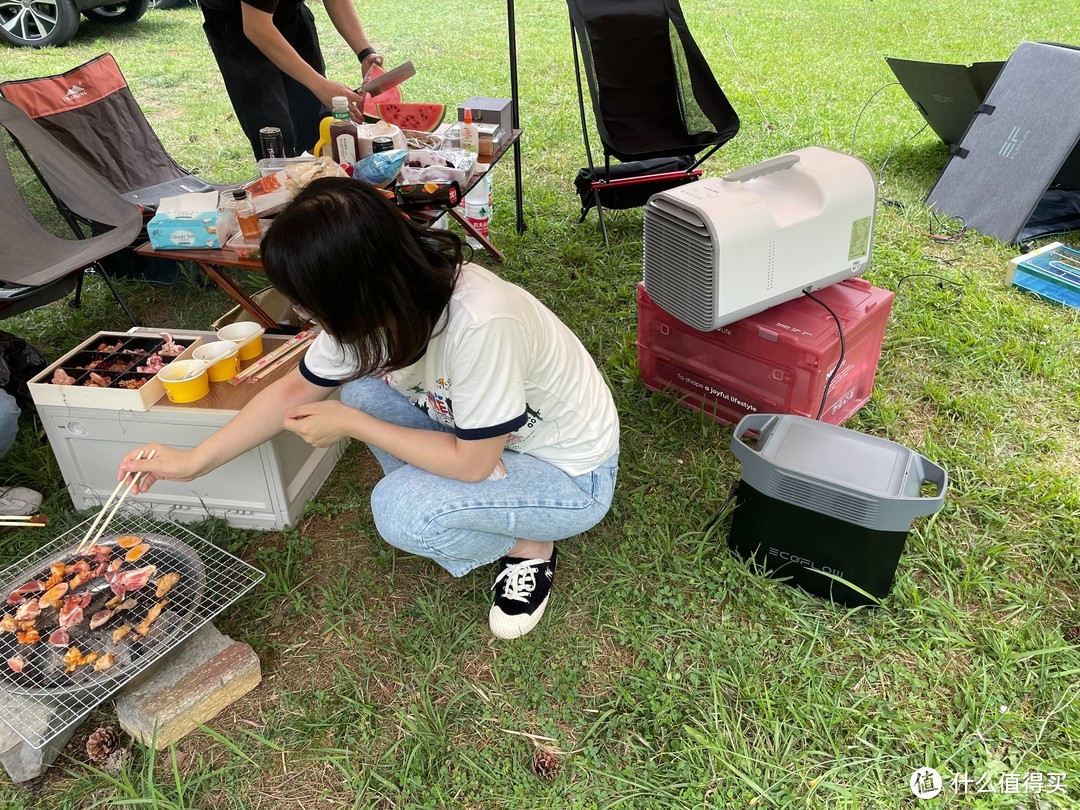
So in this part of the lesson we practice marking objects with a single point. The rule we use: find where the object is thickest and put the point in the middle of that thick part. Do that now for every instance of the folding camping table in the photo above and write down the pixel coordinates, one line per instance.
(217, 263)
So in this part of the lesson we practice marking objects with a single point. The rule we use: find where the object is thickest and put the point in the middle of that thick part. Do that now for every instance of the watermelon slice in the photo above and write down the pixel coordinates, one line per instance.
(420, 117)
(371, 103)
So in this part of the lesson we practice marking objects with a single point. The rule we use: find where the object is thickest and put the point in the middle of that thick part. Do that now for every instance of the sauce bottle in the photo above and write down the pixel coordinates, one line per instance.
(246, 217)
(343, 141)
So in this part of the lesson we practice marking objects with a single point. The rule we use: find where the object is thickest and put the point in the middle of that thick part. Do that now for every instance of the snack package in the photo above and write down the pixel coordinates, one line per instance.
(298, 175)
(380, 168)
(427, 196)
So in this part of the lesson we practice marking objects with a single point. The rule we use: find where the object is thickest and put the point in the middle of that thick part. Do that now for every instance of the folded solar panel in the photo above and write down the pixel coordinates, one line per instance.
(1019, 144)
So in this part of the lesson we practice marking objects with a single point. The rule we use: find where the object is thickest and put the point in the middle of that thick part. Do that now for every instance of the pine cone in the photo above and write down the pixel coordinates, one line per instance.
(114, 763)
(102, 743)
(545, 763)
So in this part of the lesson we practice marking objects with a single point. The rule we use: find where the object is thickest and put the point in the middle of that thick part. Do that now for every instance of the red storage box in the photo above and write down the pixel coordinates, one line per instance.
(776, 361)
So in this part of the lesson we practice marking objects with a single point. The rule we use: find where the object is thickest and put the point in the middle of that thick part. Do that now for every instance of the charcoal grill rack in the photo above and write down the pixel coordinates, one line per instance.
(43, 702)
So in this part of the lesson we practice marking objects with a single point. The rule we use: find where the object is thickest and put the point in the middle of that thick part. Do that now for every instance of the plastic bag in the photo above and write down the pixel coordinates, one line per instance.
(439, 166)
(380, 168)
(19, 362)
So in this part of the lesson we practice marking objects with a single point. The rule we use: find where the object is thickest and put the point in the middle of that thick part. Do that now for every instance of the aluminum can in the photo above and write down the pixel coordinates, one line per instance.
(381, 144)
(273, 144)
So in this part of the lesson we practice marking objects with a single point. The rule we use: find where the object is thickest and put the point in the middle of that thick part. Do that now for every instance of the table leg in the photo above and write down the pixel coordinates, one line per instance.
(238, 295)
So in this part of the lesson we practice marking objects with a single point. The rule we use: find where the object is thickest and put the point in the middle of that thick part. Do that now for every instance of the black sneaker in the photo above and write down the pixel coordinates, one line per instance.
(521, 590)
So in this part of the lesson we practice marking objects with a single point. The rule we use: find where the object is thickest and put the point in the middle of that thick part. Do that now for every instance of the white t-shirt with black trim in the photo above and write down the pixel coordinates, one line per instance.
(500, 363)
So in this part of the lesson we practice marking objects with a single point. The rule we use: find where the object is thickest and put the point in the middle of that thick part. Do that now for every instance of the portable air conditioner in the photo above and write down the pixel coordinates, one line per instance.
(719, 250)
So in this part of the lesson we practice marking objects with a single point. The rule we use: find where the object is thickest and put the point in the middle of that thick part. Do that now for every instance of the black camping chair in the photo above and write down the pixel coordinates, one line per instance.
(654, 99)
(40, 267)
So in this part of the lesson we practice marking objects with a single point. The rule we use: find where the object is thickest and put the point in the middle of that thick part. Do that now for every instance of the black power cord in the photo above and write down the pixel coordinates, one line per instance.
(843, 349)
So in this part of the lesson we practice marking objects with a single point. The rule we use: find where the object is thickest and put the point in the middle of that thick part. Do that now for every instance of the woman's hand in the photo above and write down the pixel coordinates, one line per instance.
(322, 424)
(167, 464)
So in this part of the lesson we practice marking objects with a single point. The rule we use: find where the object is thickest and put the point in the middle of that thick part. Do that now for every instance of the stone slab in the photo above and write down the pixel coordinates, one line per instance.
(206, 674)
(21, 760)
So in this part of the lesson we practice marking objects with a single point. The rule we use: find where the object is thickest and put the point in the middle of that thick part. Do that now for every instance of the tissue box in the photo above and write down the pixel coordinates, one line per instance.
(187, 229)
(488, 111)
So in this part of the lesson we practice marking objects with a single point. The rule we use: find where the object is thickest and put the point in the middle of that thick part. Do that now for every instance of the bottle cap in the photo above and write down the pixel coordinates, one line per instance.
(239, 194)
(340, 101)
(468, 115)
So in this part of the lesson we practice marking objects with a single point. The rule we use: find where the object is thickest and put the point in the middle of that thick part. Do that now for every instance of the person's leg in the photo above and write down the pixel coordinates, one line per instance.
(9, 421)
(305, 110)
(255, 85)
(374, 397)
(463, 525)
(13, 500)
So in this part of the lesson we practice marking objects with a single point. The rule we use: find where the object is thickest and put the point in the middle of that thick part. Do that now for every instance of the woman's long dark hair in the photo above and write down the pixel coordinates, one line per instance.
(372, 278)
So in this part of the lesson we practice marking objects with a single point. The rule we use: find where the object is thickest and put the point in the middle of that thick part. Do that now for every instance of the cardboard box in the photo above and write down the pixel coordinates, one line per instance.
(488, 111)
(273, 303)
(75, 363)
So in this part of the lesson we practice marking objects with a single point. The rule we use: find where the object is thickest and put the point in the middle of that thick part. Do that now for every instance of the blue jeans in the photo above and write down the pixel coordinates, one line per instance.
(463, 525)
(9, 421)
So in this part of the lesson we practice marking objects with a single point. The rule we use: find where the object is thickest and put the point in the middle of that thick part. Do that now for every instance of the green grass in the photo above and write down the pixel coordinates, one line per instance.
(666, 672)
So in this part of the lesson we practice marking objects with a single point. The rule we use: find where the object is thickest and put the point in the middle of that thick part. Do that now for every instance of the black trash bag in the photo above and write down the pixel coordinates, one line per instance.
(19, 362)
(629, 196)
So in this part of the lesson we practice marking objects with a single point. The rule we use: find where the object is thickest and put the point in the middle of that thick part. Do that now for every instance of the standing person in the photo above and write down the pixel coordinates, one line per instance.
(269, 56)
(497, 434)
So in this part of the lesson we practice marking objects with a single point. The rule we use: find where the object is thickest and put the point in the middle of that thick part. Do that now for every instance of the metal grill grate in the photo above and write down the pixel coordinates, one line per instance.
(44, 700)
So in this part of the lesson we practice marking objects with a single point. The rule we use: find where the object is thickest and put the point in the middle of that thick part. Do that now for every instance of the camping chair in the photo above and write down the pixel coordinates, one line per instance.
(654, 99)
(92, 112)
(40, 267)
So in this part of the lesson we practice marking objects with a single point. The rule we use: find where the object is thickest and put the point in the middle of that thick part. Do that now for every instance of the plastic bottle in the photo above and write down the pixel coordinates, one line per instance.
(246, 217)
(478, 209)
(343, 140)
(470, 138)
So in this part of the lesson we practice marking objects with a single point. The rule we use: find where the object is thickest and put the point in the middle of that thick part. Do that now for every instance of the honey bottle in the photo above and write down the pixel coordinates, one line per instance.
(344, 144)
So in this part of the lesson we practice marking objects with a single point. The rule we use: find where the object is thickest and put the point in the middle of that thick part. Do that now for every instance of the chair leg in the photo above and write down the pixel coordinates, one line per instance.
(77, 300)
(603, 227)
(119, 298)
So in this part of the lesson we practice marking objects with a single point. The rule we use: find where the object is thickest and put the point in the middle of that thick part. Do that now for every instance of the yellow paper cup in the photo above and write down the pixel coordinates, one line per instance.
(184, 380)
(245, 334)
(222, 358)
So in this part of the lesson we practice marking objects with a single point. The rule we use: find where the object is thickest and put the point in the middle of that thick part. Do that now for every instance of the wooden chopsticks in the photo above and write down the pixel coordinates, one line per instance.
(284, 358)
(94, 532)
(23, 520)
(274, 360)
